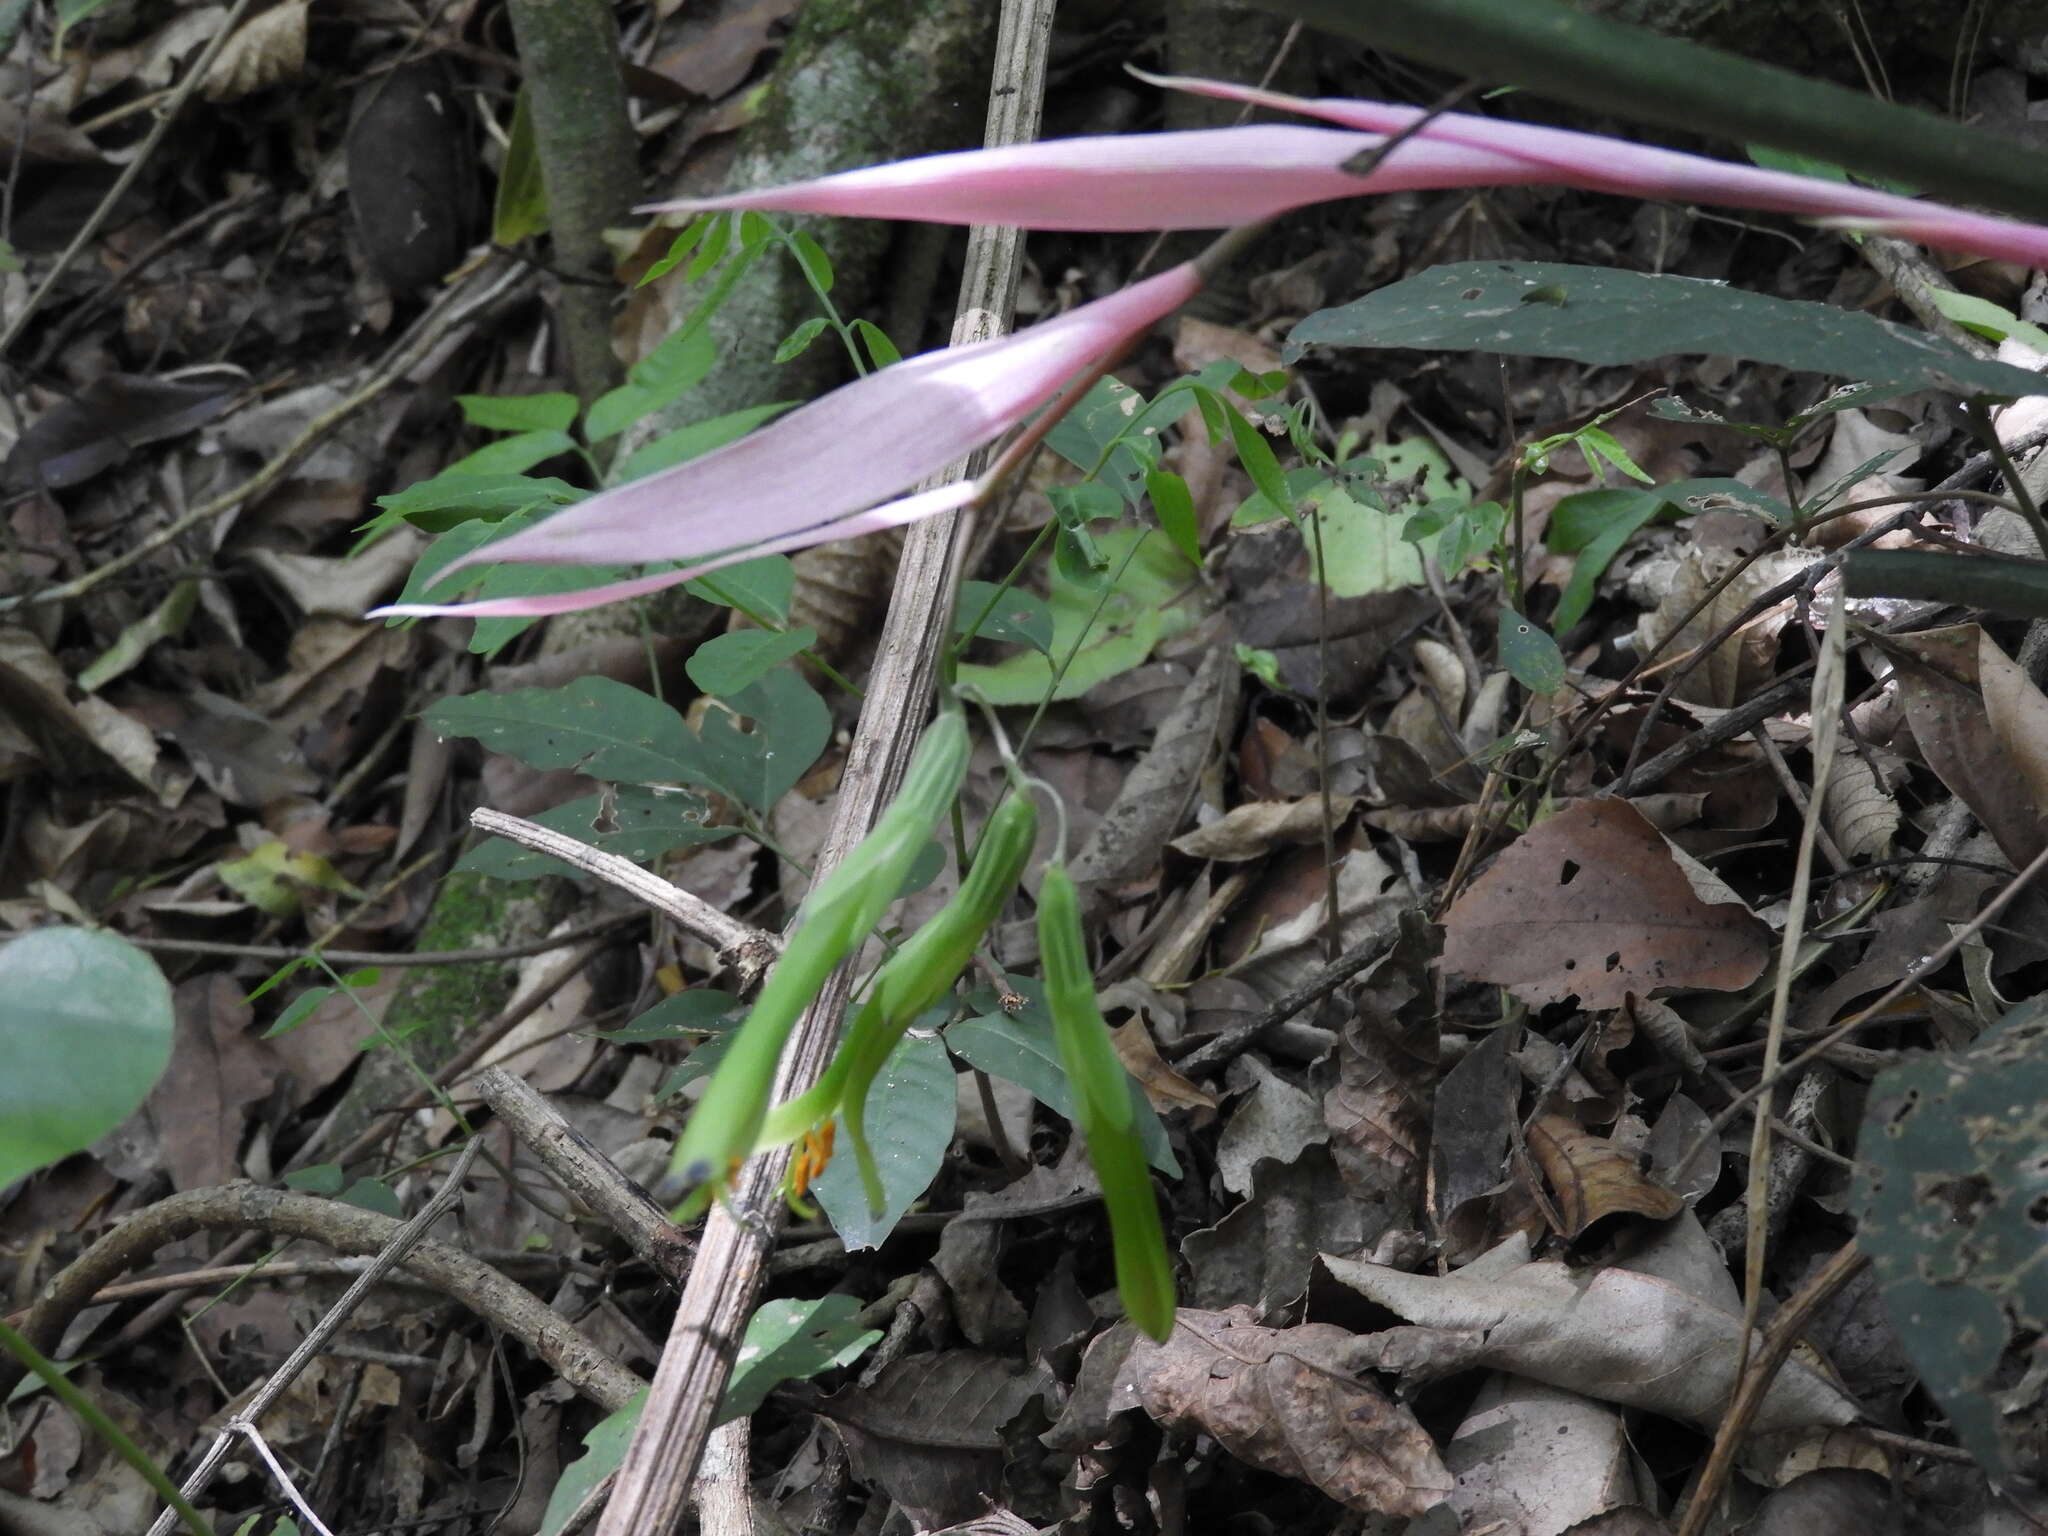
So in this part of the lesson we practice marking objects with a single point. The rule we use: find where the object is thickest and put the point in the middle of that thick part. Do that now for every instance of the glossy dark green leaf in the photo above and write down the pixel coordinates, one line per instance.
(1997, 583)
(726, 664)
(1614, 317)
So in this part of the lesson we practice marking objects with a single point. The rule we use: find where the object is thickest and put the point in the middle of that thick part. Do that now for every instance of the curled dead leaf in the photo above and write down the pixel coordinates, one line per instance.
(1591, 1178)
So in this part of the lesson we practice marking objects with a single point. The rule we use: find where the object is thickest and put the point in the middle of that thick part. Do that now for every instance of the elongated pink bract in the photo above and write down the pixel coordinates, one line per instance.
(1594, 163)
(1216, 177)
(1207, 179)
(802, 479)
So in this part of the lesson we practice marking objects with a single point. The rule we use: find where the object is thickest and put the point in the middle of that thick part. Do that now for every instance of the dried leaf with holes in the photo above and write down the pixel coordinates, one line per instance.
(1595, 902)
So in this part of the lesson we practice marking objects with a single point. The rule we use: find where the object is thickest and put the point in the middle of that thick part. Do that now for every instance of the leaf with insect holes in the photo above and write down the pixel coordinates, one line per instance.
(593, 725)
(1595, 902)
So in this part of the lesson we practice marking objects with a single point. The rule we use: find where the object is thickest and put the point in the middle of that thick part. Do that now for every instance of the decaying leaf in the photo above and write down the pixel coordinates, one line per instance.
(1595, 902)
(1590, 1178)
(1613, 1334)
(930, 1429)
(1251, 831)
(1536, 1461)
(1378, 1111)
(1981, 731)
(1285, 1400)
(268, 49)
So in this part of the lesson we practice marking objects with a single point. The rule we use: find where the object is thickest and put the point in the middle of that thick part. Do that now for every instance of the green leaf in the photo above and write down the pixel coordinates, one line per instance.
(1174, 506)
(1998, 583)
(372, 1195)
(1597, 445)
(761, 587)
(680, 248)
(85, 1034)
(797, 341)
(615, 410)
(812, 258)
(521, 206)
(1095, 428)
(910, 1113)
(317, 1179)
(673, 448)
(593, 725)
(880, 348)
(513, 455)
(1987, 318)
(696, 1011)
(726, 664)
(1594, 525)
(717, 238)
(553, 412)
(1256, 455)
(448, 499)
(1020, 1048)
(678, 363)
(604, 1451)
(1257, 508)
(793, 1341)
(167, 619)
(1530, 655)
(1262, 664)
(1017, 617)
(303, 1007)
(1149, 603)
(1364, 547)
(629, 820)
(1615, 317)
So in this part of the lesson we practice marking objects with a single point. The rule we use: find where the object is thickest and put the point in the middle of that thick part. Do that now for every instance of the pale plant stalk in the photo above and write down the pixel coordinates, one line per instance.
(1826, 711)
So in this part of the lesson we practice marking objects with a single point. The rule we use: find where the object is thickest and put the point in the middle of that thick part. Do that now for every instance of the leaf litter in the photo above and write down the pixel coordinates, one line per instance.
(1446, 1228)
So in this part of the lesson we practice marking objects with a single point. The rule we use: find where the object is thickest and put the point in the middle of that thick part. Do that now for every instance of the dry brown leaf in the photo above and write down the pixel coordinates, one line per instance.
(1861, 815)
(1536, 1461)
(1591, 1178)
(1253, 830)
(1285, 1400)
(1166, 1088)
(1996, 767)
(268, 49)
(1741, 663)
(1595, 902)
(1613, 1334)
(1378, 1111)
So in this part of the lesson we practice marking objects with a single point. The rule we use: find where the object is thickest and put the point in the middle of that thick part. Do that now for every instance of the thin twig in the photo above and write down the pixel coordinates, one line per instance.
(694, 915)
(396, 959)
(388, 1257)
(1756, 1381)
(346, 1229)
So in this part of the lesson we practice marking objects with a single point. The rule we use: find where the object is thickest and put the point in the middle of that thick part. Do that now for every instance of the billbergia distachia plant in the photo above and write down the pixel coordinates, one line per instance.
(829, 470)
